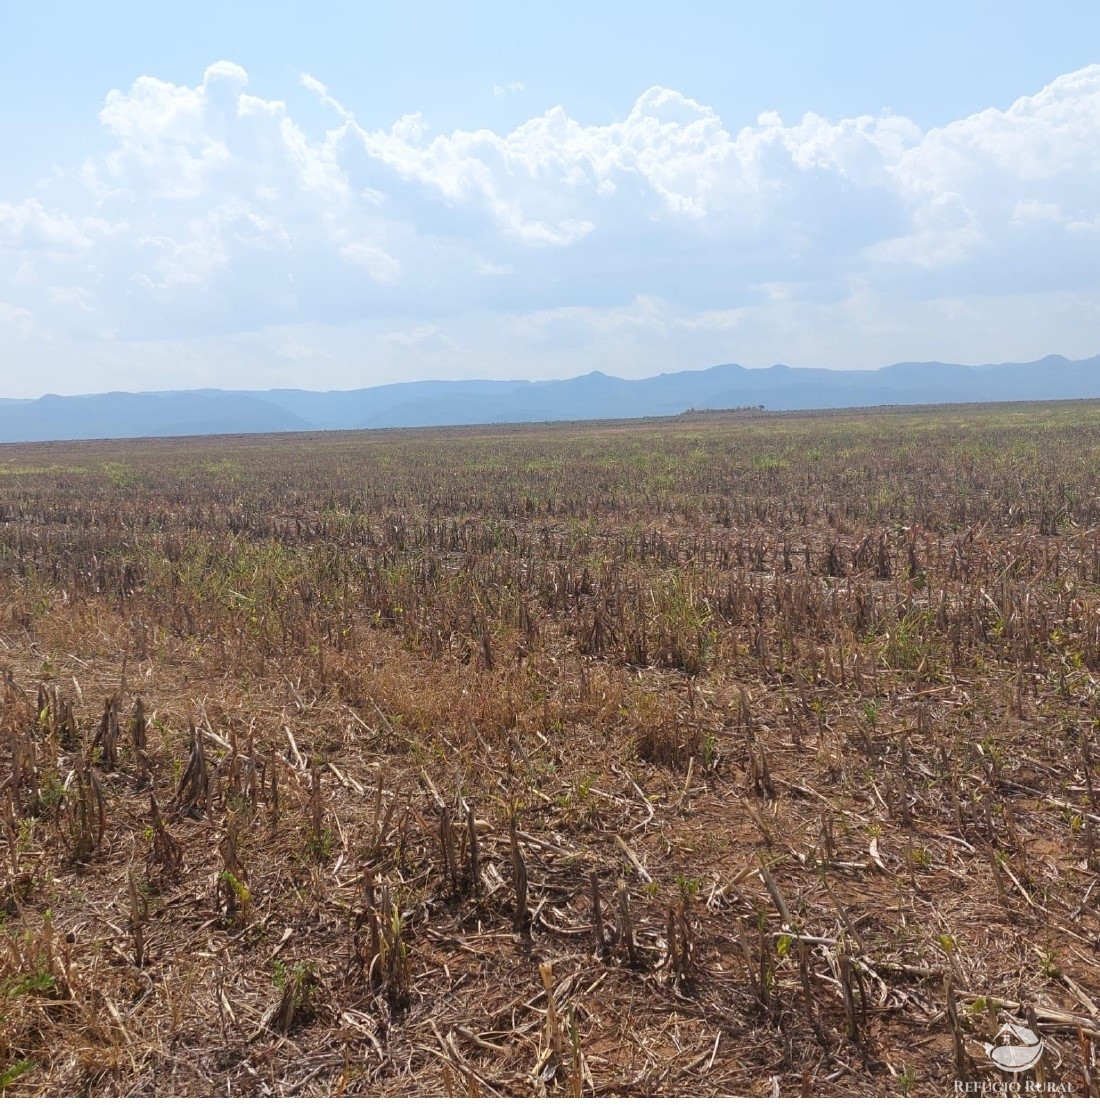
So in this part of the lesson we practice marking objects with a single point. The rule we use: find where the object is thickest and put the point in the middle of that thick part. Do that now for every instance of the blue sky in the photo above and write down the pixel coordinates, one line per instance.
(250, 195)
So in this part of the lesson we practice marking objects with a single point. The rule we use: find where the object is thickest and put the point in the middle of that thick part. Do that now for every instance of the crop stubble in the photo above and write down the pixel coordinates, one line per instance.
(723, 754)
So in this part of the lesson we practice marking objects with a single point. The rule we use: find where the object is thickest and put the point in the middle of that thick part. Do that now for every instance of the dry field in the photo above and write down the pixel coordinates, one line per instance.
(728, 754)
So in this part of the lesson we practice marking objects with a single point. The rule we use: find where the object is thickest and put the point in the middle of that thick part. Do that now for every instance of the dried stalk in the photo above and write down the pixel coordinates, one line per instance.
(625, 934)
(193, 794)
(139, 914)
(961, 1059)
(83, 811)
(597, 915)
(165, 859)
(521, 915)
(474, 872)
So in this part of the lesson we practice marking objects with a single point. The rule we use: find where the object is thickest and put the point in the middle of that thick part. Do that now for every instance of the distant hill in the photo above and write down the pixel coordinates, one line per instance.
(596, 395)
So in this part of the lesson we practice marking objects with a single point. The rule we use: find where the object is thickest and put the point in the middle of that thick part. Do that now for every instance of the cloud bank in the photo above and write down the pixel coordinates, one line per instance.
(219, 236)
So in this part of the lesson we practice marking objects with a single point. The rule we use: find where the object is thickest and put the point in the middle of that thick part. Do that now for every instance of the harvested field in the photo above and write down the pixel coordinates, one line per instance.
(730, 754)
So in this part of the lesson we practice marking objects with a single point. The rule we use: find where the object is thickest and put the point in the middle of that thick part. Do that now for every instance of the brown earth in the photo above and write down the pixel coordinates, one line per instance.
(811, 700)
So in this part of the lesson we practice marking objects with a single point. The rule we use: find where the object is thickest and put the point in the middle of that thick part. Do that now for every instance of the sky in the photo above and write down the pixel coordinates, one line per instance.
(339, 195)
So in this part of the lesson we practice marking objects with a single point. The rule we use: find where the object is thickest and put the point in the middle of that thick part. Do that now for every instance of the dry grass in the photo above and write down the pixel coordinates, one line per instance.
(719, 755)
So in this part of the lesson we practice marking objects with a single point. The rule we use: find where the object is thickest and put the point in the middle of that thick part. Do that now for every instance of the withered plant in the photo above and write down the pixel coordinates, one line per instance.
(814, 696)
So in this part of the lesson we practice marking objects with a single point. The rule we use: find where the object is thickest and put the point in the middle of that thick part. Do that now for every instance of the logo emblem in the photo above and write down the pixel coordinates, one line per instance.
(1020, 1051)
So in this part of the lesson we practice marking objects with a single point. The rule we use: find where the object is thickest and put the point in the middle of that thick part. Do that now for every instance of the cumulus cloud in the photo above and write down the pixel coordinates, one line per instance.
(420, 337)
(211, 210)
(17, 323)
(322, 93)
(71, 297)
(375, 260)
(28, 226)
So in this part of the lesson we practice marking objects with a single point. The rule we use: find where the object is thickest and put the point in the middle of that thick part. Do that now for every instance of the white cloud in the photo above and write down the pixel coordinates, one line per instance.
(28, 225)
(945, 232)
(553, 181)
(171, 139)
(1034, 211)
(507, 89)
(420, 337)
(491, 268)
(319, 90)
(212, 211)
(72, 296)
(381, 266)
(17, 323)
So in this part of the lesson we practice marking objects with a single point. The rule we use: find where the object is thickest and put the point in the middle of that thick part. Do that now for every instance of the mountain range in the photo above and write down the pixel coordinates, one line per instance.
(596, 395)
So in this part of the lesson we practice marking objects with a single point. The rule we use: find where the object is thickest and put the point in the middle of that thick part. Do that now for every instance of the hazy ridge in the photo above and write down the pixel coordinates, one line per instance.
(596, 395)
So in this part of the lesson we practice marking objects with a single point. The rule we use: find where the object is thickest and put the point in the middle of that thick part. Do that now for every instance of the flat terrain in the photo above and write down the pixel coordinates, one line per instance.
(317, 753)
